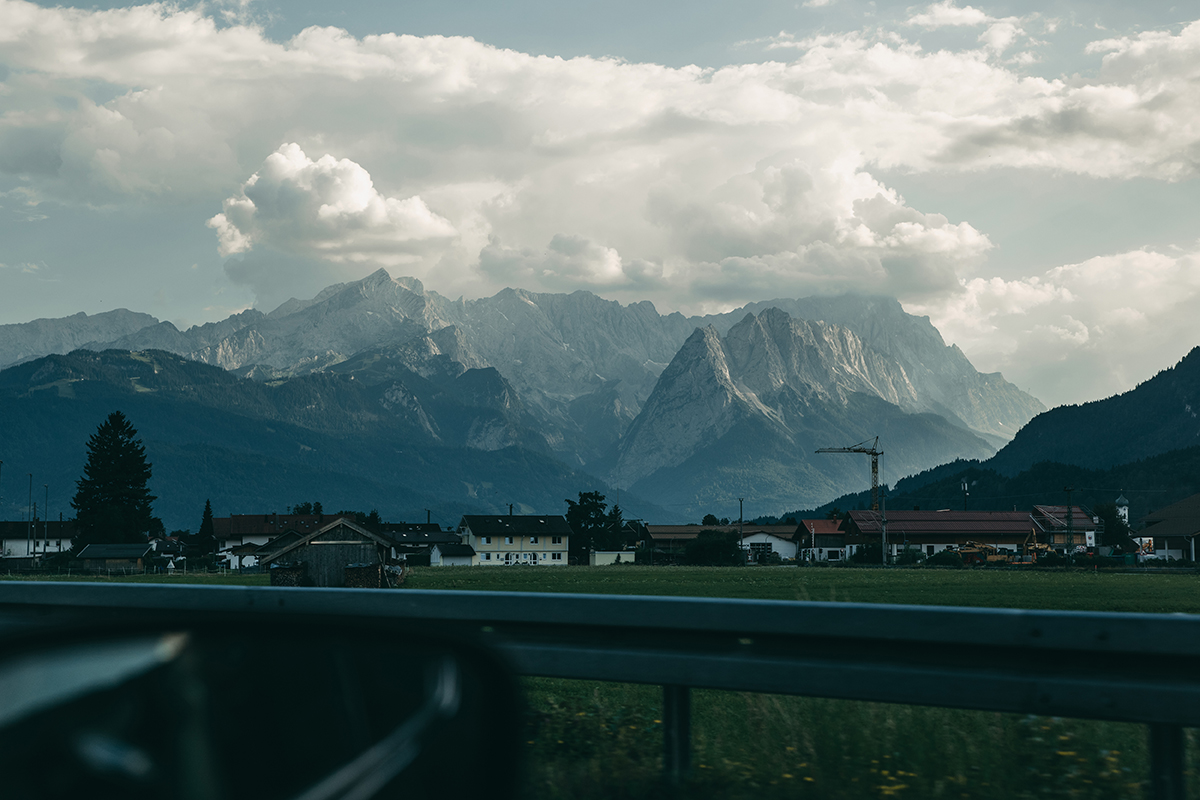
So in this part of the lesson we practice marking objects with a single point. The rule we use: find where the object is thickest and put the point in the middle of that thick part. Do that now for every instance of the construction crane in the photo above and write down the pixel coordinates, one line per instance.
(872, 451)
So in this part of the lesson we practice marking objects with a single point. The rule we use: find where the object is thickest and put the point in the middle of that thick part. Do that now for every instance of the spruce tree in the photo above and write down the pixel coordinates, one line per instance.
(206, 538)
(112, 502)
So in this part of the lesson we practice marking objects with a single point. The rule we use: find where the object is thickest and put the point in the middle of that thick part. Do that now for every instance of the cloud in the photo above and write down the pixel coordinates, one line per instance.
(947, 13)
(328, 207)
(471, 166)
(567, 263)
(1081, 331)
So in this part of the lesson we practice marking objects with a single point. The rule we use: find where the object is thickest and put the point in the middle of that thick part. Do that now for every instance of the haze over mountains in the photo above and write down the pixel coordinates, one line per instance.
(1143, 444)
(686, 413)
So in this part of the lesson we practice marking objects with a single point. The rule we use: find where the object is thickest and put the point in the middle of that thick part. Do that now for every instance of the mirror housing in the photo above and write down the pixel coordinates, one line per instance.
(230, 707)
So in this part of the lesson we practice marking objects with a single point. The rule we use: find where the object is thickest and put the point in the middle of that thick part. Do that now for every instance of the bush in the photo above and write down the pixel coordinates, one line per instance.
(945, 558)
(871, 553)
(1051, 558)
(910, 555)
(714, 549)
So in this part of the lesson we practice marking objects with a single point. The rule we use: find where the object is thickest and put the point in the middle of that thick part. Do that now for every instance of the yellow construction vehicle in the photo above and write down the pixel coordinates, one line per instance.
(977, 553)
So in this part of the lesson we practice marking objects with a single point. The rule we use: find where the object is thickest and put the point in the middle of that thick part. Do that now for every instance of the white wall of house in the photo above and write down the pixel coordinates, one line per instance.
(231, 560)
(784, 548)
(499, 551)
(436, 559)
(22, 547)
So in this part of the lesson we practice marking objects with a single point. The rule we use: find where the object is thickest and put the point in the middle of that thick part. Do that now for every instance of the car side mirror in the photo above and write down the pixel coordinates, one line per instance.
(254, 710)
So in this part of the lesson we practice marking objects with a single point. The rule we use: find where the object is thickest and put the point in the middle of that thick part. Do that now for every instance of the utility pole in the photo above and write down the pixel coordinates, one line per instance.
(29, 515)
(1070, 524)
(883, 530)
(46, 518)
(741, 536)
(966, 494)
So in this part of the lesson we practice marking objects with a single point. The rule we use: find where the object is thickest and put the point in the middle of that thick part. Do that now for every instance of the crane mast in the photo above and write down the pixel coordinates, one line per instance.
(874, 452)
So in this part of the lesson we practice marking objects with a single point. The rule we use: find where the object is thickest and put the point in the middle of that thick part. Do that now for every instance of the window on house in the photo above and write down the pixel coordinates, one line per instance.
(533, 540)
(487, 556)
(487, 540)
(555, 540)
(508, 540)
(556, 556)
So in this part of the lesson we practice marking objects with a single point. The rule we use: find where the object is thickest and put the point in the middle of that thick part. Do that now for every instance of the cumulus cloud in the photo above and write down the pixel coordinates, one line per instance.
(948, 14)
(328, 207)
(1080, 331)
(566, 263)
(473, 167)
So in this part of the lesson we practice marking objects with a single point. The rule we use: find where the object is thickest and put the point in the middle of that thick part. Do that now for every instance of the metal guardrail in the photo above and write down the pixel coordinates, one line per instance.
(1142, 668)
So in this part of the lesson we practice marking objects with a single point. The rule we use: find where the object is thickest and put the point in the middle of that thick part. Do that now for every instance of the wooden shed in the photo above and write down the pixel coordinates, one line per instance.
(322, 557)
(114, 557)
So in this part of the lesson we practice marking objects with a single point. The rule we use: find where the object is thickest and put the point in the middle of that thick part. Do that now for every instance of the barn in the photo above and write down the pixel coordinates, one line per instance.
(338, 554)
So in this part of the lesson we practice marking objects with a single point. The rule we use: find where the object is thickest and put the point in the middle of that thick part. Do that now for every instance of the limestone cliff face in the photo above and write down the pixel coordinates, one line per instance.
(943, 378)
(752, 406)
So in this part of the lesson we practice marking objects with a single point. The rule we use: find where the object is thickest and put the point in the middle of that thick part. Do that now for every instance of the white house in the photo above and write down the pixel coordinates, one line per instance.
(529, 539)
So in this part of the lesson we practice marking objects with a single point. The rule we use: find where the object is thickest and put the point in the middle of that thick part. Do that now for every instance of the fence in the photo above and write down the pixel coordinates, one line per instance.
(1142, 668)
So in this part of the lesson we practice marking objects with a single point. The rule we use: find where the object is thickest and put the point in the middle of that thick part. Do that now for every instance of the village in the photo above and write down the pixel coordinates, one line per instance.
(356, 550)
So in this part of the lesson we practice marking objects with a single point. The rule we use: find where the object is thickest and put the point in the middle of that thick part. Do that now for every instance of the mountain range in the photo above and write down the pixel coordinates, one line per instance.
(1143, 444)
(685, 413)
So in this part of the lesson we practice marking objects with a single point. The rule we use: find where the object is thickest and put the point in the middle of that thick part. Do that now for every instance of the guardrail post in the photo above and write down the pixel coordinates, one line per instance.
(677, 732)
(1166, 762)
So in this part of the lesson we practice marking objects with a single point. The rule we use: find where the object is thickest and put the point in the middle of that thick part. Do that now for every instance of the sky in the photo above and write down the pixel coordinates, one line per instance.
(1022, 173)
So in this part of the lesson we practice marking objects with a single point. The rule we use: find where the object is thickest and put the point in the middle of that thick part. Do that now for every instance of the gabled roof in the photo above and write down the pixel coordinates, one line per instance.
(272, 547)
(115, 551)
(787, 535)
(1179, 519)
(820, 526)
(425, 538)
(516, 524)
(308, 537)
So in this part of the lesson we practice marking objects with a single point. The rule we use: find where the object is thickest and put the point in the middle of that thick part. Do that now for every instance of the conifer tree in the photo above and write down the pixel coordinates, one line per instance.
(206, 538)
(112, 502)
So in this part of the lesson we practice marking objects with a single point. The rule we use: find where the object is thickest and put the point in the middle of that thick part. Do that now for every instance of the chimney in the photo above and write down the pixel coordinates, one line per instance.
(510, 505)
(428, 516)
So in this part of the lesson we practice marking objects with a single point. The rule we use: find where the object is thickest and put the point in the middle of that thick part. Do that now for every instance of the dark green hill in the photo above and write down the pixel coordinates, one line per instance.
(1148, 483)
(1157, 416)
(252, 447)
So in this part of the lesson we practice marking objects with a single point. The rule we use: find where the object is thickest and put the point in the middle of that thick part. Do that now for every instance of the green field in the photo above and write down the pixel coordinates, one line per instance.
(594, 740)
(589, 740)
(1078, 591)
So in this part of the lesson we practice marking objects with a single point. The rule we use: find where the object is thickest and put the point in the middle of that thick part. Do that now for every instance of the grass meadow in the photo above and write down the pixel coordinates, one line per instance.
(594, 740)
(597, 740)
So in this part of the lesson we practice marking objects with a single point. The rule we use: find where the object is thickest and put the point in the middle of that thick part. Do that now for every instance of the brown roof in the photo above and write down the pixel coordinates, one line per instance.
(1188, 507)
(674, 532)
(820, 525)
(1180, 519)
(945, 523)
